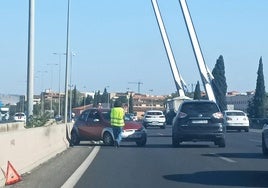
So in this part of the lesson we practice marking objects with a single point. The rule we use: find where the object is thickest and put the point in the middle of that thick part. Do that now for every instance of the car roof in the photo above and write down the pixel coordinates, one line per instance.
(99, 109)
(234, 111)
(198, 101)
(153, 111)
(20, 113)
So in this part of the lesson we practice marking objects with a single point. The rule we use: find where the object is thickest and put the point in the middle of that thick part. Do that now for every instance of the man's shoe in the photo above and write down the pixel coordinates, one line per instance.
(116, 144)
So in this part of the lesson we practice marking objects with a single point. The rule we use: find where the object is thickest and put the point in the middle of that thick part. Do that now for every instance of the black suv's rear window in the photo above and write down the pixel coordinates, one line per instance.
(199, 108)
(154, 113)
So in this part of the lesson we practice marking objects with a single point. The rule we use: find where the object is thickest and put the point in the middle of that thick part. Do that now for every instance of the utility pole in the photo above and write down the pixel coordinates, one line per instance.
(30, 73)
(138, 83)
(67, 65)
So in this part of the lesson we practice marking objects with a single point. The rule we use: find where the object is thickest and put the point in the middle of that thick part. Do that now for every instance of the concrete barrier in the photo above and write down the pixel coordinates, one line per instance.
(11, 126)
(28, 148)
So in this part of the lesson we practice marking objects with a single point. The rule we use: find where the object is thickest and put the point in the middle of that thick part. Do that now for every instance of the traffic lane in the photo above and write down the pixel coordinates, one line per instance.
(158, 164)
(56, 171)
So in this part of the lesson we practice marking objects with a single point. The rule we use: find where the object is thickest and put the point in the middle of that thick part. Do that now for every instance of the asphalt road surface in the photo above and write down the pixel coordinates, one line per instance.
(158, 164)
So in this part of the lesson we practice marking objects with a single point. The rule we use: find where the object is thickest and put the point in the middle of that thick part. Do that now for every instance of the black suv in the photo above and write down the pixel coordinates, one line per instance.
(198, 120)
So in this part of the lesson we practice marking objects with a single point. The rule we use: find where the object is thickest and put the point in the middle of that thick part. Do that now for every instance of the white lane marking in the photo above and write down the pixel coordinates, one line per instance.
(73, 179)
(223, 158)
(254, 140)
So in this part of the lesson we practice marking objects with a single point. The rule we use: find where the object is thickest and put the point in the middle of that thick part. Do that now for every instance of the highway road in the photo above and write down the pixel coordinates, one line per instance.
(158, 164)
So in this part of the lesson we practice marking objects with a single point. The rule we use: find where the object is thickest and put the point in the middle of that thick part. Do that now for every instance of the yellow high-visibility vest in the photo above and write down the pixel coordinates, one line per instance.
(117, 116)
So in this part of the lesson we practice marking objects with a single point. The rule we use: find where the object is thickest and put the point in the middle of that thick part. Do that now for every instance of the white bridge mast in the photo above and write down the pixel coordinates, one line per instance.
(204, 72)
(177, 78)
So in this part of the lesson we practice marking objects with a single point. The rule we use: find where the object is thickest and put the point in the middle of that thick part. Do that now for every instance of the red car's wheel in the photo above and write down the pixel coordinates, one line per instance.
(108, 139)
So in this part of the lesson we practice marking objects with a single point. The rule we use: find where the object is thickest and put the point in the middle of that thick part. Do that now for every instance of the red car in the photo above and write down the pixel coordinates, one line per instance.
(94, 125)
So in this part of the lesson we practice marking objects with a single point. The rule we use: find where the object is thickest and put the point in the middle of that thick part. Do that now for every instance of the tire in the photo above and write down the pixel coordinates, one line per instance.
(175, 142)
(142, 142)
(108, 139)
(75, 140)
(163, 127)
(247, 129)
(264, 147)
(221, 143)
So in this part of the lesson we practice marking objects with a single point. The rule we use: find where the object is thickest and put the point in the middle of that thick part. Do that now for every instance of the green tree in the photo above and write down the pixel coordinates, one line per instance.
(197, 92)
(130, 108)
(74, 98)
(97, 99)
(219, 84)
(250, 108)
(105, 96)
(260, 96)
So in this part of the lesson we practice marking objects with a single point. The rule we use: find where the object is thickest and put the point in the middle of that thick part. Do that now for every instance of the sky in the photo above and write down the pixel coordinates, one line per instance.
(117, 44)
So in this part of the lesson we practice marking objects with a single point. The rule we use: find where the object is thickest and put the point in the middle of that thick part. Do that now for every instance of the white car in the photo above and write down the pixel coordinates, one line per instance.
(236, 120)
(20, 116)
(154, 118)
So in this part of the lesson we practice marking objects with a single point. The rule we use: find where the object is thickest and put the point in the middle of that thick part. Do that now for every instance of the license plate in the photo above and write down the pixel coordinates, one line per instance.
(200, 121)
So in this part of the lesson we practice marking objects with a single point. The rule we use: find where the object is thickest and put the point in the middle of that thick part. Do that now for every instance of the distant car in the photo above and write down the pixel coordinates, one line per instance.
(58, 118)
(265, 139)
(19, 116)
(94, 125)
(129, 117)
(236, 120)
(154, 118)
(198, 120)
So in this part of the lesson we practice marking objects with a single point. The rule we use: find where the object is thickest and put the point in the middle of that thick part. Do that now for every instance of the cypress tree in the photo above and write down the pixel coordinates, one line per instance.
(219, 84)
(197, 92)
(130, 108)
(259, 97)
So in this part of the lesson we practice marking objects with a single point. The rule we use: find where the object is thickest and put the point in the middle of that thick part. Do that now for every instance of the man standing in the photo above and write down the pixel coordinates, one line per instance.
(117, 121)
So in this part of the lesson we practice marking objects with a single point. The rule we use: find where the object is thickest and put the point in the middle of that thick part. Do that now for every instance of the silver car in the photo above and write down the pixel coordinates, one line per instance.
(154, 118)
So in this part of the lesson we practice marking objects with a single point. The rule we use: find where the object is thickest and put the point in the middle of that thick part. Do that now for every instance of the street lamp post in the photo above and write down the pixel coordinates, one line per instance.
(67, 63)
(51, 64)
(71, 61)
(59, 54)
(152, 104)
(42, 92)
(70, 109)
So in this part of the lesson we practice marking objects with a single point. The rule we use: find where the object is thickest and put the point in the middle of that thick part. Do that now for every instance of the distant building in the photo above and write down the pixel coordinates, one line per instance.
(239, 101)
(143, 102)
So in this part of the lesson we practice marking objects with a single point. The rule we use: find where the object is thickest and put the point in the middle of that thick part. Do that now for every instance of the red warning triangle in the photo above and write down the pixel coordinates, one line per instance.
(12, 175)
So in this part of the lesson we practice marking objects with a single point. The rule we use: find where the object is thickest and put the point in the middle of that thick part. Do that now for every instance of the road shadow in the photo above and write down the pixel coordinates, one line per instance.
(126, 144)
(159, 135)
(238, 155)
(224, 178)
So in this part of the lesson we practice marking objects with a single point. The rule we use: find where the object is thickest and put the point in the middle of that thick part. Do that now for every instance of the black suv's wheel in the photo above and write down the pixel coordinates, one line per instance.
(175, 142)
(220, 142)
(108, 139)
(141, 142)
(74, 139)
(264, 147)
